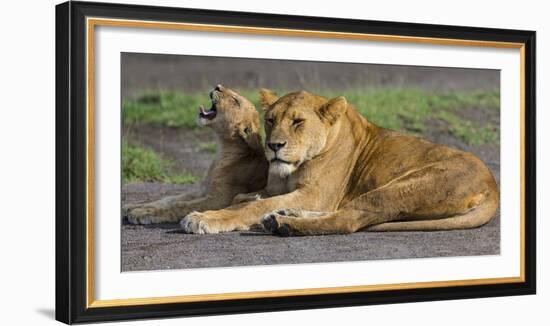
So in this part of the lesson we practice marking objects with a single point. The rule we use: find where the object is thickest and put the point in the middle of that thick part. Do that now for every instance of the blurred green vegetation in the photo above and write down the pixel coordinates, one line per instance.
(208, 146)
(144, 165)
(470, 132)
(403, 109)
(408, 110)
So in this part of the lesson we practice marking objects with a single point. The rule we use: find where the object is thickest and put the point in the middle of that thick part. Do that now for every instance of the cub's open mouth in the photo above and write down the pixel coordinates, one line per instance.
(209, 115)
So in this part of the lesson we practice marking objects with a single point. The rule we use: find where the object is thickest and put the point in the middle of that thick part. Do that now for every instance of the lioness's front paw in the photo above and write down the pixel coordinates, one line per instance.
(197, 223)
(275, 223)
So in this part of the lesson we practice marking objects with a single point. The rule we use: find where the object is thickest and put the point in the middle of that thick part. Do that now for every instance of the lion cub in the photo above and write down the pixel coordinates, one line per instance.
(240, 166)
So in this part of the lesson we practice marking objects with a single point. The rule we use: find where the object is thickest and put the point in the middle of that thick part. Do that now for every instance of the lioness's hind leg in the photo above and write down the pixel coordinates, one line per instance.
(424, 194)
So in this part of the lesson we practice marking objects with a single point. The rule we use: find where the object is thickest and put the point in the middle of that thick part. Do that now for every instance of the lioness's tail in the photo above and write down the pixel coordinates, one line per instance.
(474, 218)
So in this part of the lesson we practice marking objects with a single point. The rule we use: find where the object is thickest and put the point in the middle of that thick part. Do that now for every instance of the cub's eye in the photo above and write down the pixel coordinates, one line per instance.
(297, 122)
(269, 121)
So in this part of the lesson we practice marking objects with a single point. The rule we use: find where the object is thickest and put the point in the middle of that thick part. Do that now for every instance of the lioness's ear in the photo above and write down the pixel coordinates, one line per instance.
(333, 109)
(267, 97)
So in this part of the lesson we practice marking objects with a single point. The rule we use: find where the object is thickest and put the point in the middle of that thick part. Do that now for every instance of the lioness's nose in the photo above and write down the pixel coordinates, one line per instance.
(276, 146)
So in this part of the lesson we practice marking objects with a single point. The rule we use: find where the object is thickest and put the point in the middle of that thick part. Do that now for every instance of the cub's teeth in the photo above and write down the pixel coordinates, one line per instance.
(201, 108)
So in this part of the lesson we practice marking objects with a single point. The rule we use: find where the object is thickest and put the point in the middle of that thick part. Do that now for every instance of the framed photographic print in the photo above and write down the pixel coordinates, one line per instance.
(212, 162)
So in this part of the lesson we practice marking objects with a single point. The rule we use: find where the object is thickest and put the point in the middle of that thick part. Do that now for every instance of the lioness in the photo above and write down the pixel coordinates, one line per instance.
(343, 173)
(240, 167)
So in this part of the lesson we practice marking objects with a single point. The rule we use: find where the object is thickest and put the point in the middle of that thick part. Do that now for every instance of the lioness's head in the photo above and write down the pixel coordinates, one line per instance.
(231, 116)
(297, 126)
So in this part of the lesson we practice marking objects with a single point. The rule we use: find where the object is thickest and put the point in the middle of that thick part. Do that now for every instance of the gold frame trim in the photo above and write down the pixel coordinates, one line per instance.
(92, 22)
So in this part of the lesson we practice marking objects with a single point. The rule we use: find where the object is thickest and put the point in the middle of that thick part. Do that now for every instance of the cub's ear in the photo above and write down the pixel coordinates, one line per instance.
(267, 97)
(249, 133)
(333, 109)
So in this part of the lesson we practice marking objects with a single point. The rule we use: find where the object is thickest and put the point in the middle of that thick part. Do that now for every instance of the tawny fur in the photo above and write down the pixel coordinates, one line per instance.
(240, 166)
(341, 173)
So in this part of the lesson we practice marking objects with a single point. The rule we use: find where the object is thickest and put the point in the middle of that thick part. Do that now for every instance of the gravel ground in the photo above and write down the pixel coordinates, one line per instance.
(165, 247)
(154, 247)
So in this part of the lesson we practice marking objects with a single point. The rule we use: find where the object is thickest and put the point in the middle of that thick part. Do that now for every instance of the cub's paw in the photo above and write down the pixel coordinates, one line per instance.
(146, 215)
(289, 212)
(244, 198)
(127, 208)
(300, 213)
(197, 223)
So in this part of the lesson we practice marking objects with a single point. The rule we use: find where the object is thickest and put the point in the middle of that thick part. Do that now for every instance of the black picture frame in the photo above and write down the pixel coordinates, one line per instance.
(71, 157)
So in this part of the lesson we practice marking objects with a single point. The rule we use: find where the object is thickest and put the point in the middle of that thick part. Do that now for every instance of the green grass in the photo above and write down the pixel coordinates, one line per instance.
(208, 146)
(172, 109)
(404, 109)
(468, 131)
(144, 165)
(409, 109)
